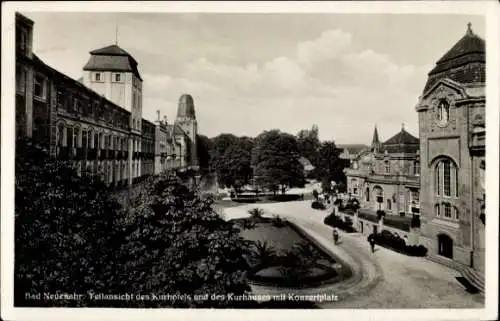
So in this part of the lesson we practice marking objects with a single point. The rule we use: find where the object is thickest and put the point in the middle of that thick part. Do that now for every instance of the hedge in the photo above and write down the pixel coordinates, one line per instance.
(396, 243)
(335, 221)
(284, 197)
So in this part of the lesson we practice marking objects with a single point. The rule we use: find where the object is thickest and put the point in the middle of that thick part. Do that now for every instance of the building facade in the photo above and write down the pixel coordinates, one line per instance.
(451, 115)
(386, 176)
(97, 124)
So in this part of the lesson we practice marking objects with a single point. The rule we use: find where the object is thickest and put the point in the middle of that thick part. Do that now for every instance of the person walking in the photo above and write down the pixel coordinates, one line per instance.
(371, 240)
(335, 235)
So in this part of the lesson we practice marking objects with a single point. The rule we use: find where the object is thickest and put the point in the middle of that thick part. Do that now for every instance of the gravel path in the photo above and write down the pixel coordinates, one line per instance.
(384, 279)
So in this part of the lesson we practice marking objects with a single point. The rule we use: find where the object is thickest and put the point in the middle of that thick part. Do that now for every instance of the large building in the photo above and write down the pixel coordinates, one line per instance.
(97, 124)
(386, 177)
(451, 115)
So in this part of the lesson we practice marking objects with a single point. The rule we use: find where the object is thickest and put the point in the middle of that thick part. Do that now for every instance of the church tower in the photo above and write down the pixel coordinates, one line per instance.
(186, 120)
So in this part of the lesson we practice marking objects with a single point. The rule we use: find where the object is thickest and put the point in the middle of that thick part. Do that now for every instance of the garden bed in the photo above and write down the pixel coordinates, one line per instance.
(287, 257)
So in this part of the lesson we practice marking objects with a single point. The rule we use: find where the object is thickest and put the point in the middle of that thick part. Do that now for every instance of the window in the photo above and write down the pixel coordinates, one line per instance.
(98, 77)
(21, 40)
(437, 210)
(76, 131)
(117, 78)
(20, 79)
(40, 87)
(443, 112)
(354, 185)
(387, 166)
(446, 178)
(60, 135)
(447, 210)
(69, 137)
(367, 193)
(414, 195)
(455, 213)
(416, 168)
(389, 204)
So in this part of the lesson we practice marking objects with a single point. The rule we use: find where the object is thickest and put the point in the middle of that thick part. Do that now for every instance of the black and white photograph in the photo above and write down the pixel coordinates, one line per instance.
(161, 158)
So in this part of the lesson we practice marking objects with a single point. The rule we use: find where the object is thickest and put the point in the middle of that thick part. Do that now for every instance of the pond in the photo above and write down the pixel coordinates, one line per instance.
(283, 255)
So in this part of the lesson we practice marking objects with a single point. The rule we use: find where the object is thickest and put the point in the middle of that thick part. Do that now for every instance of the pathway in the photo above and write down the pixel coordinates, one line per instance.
(385, 279)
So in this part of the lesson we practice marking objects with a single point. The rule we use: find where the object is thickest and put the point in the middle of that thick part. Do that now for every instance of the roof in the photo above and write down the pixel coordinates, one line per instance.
(185, 108)
(402, 142)
(469, 50)
(112, 58)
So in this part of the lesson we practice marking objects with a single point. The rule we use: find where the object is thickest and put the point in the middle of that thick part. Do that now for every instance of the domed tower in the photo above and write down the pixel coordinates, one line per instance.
(186, 120)
(451, 116)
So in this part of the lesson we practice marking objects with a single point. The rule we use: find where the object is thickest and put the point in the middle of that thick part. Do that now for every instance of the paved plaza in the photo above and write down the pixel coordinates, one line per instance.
(384, 279)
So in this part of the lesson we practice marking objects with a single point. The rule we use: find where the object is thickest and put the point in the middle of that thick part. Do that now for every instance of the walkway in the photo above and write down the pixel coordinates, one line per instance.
(386, 279)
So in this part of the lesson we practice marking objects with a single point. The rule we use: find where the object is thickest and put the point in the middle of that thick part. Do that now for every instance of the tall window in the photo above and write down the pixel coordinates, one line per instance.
(416, 168)
(389, 204)
(456, 213)
(387, 166)
(40, 87)
(446, 178)
(21, 40)
(367, 194)
(443, 112)
(437, 210)
(354, 184)
(447, 210)
(76, 132)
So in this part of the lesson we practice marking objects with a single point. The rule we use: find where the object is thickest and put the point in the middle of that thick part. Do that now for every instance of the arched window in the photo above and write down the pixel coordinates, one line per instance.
(443, 112)
(60, 135)
(446, 178)
(367, 194)
(416, 168)
(437, 210)
(389, 204)
(76, 136)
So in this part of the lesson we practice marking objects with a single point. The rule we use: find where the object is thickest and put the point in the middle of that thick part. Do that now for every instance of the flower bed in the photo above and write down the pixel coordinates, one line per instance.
(396, 243)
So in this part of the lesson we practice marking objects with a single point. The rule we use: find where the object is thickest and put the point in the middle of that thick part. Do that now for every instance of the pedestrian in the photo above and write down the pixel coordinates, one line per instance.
(335, 236)
(371, 240)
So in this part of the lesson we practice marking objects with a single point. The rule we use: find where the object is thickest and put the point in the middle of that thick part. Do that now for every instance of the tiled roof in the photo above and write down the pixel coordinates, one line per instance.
(463, 63)
(112, 58)
(402, 142)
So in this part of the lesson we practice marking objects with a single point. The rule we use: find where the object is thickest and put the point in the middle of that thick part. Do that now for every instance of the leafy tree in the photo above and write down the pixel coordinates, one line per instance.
(204, 147)
(275, 158)
(177, 244)
(308, 144)
(65, 230)
(220, 144)
(234, 167)
(330, 166)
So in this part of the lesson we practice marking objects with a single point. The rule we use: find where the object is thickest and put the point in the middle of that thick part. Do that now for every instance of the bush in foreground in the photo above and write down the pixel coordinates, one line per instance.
(335, 221)
(317, 205)
(393, 241)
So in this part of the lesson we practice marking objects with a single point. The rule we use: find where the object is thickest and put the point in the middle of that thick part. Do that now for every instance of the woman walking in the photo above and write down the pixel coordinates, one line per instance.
(335, 235)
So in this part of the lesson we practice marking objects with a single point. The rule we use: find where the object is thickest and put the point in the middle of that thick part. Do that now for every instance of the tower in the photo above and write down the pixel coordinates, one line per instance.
(375, 140)
(451, 114)
(186, 120)
(112, 72)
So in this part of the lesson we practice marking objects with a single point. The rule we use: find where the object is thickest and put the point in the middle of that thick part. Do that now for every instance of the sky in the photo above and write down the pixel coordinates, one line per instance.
(250, 72)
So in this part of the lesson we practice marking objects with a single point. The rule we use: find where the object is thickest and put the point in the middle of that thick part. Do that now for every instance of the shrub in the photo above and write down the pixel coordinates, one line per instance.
(415, 221)
(256, 213)
(380, 214)
(317, 205)
(277, 221)
(284, 197)
(335, 221)
(395, 242)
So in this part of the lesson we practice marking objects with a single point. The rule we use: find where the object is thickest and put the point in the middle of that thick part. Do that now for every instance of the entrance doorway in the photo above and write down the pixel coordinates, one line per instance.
(445, 246)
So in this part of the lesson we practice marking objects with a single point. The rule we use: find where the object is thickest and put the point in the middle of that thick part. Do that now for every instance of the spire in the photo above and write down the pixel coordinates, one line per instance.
(402, 126)
(469, 29)
(375, 140)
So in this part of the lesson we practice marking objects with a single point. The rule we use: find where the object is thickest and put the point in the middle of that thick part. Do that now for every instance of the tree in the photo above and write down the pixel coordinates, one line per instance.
(204, 148)
(308, 144)
(275, 159)
(177, 244)
(66, 230)
(330, 166)
(234, 167)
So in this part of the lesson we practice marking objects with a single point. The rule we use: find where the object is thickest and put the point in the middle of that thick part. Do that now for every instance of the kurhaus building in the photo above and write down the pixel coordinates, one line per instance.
(451, 116)
(386, 176)
(97, 123)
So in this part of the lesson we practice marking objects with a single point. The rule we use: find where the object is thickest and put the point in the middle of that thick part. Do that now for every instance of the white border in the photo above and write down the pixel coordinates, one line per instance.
(490, 9)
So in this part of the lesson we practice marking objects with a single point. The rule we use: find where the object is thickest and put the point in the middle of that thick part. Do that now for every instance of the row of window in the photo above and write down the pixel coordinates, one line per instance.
(446, 210)
(115, 77)
(387, 167)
